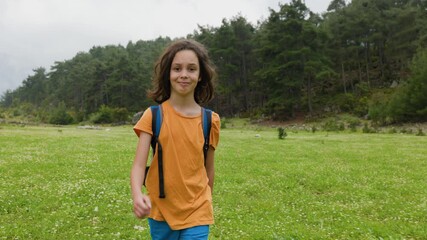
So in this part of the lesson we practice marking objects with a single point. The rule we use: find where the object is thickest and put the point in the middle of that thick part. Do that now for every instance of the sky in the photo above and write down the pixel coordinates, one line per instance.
(36, 33)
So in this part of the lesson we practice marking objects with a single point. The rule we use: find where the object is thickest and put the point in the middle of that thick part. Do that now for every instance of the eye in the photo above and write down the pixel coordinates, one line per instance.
(176, 69)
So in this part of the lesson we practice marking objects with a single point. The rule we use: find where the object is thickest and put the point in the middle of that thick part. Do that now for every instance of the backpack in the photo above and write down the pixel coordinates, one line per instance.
(156, 124)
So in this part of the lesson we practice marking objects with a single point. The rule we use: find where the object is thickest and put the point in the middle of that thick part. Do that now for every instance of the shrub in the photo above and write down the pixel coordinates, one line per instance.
(224, 122)
(282, 133)
(333, 125)
(367, 129)
(353, 123)
(313, 129)
(345, 102)
(420, 132)
(406, 131)
(104, 115)
(408, 102)
(378, 107)
(60, 115)
(79, 116)
(392, 130)
(362, 106)
(120, 115)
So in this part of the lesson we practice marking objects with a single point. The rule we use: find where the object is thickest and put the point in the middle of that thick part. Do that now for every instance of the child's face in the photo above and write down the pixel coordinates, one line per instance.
(185, 73)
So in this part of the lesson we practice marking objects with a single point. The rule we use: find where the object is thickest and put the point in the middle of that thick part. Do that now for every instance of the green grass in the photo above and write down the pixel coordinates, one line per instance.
(69, 183)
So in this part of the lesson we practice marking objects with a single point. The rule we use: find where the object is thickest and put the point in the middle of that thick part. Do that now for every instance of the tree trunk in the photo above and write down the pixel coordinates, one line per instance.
(343, 77)
(309, 96)
(367, 64)
(245, 83)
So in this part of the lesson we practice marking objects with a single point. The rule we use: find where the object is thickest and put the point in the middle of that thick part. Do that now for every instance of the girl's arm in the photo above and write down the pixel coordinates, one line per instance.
(141, 202)
(210, 167)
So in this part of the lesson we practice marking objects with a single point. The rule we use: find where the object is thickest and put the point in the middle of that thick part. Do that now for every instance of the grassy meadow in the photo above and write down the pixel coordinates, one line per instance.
(71, 183)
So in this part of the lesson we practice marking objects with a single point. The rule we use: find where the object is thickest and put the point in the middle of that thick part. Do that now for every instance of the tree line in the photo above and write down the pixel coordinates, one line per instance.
(365, 57)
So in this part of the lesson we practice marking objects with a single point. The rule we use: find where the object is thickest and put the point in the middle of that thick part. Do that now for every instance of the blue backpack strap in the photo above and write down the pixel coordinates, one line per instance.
(156, 125)
(207, 123)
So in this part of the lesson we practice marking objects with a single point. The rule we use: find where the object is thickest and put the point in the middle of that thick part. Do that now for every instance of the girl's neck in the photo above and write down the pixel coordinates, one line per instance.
(185, 106)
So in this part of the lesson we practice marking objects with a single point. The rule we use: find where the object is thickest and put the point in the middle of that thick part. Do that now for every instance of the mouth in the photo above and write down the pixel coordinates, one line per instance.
(184, 83)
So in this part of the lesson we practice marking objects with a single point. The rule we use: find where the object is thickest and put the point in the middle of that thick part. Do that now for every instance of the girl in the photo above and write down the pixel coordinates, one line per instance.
(183, 79)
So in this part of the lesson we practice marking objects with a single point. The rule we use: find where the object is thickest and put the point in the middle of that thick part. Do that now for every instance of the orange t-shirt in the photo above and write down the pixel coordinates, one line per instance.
(188, 201)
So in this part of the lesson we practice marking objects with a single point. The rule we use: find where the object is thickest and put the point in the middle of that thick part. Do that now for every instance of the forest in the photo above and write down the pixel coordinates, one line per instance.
(367, 58)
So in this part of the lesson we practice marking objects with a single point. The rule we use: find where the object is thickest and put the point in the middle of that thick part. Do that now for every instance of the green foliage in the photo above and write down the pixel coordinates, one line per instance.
(60, 116)
(361, 107)
(113, 76)
(106, 114)
(408, 102)
(406, 131)
(120, 115)
(313, 129)
(367, 129)
(290, 59)
(6, 99)
(420, 132)
(230, 47)
(333, 125)
(224, 122)
(282, 133)
(345, 102)
(353, 123)
(378, 108)
(236, 123)
(392, 130)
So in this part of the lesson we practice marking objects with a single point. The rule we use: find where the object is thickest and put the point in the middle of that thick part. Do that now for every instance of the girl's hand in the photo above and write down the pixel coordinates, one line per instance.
(141, 206)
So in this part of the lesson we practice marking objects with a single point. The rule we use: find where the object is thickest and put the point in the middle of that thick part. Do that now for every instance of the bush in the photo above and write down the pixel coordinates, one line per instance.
(333, 125)
(341, 127)
(313, 129)
(107, 114)
(392, 130)
(420, 132)
(408, 103)
(353, 125)
(120, 115)
(104, 115)
(79, 116)
(282, 133)
(378, 107)
(224, 122)
(367, 129)
(417, 85)
(362, 107)
(345, 102)
(406, 131)
(60, 115)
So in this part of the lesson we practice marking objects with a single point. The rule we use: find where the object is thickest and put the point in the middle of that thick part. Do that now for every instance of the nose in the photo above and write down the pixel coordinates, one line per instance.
(184, 74)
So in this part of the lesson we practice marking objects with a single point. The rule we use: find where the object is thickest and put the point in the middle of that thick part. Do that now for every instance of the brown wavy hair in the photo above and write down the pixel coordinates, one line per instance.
(161, 87)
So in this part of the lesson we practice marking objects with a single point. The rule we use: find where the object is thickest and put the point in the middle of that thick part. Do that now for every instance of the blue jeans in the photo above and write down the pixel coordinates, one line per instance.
(160, 230)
